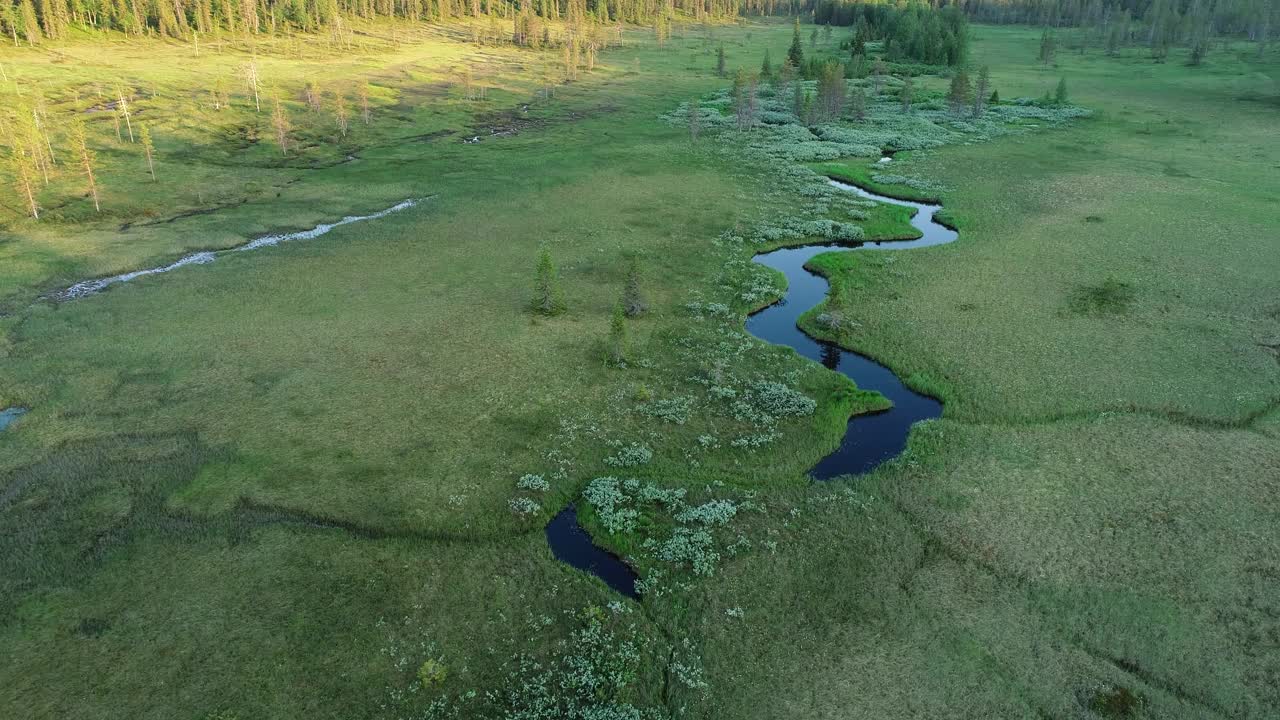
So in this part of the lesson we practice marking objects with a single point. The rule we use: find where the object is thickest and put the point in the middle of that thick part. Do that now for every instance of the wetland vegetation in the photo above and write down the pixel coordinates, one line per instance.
(333, 478)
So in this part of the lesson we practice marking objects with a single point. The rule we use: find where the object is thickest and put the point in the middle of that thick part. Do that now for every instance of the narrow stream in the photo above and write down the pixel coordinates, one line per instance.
(97, 285)
(868, 440)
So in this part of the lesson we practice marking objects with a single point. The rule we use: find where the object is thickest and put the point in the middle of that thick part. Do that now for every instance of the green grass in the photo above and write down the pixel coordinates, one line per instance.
(859, 172)
(273, 486)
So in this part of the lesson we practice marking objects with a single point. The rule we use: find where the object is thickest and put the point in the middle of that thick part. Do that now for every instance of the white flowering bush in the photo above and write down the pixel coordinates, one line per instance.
(630, 455)
(536, 483)
(712, 512)
(692, 547)
(612, 505)
(524, 506)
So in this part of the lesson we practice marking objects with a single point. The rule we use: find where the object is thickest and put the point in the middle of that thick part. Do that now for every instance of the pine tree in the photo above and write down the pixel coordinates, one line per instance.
(796, 54)
(81, 146)
(547, 297)
(633, 302)
(148, 149)
(980, 92)
(1047, 47)
(616, 349)
(831, 90)
(859, 44)
(858, 104)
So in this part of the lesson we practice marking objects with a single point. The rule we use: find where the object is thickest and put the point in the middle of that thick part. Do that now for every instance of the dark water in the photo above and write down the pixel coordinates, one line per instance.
(8, 415)
(869, 439)
(571, 544)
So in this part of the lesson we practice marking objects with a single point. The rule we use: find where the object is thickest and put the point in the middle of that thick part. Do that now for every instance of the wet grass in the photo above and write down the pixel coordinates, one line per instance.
(1110, 297)
(859, 172)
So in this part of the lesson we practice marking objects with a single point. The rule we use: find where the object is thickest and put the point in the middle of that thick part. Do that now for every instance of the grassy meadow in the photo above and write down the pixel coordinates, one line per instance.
(280, 484)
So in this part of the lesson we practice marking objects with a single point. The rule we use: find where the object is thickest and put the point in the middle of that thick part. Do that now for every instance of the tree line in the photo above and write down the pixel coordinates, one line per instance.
(30, 21)
(1157, 24)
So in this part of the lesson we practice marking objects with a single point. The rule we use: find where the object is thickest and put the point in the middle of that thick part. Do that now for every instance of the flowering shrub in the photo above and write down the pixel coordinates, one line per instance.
(524, 506)
(533, 482)
(610, 503)
(688, 546)
(714, 512)
(630, 456)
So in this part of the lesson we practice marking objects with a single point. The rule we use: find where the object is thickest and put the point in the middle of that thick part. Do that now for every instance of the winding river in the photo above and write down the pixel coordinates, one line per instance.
(869, 439)
(872, 438)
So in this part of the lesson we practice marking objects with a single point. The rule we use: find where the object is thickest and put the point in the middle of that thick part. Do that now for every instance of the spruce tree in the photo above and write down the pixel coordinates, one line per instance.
(766, 67)
(980, 92)
(1046, 47)
(858, 104)
(796, 54)
(720, 61)
(547, 297)
(633, 302)
(904, 95)
(859, 44)
(616, 348)
(831, 90)
(695, 119)
(1060, 93)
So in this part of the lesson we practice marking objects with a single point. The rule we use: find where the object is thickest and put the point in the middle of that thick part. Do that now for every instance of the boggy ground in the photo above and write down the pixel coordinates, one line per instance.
(275, 485)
